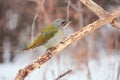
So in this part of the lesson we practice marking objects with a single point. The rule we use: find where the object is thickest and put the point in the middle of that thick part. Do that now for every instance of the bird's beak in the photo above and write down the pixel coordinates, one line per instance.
(67, 23)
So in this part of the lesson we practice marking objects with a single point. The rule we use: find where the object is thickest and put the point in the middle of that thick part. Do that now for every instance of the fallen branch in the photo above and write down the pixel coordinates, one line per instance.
(76, 36)
(99, 11)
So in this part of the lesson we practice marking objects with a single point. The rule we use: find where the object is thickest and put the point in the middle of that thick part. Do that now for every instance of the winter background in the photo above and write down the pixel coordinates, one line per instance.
(95, 57)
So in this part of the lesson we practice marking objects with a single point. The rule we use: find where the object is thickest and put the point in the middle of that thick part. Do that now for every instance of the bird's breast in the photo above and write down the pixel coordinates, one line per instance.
(56, 39)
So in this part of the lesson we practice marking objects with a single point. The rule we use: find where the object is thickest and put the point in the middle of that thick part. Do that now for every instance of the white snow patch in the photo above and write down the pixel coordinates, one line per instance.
(103, 69)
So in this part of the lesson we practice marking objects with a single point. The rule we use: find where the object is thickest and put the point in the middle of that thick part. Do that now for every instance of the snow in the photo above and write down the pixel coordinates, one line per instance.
(104, 68)
(9, 70)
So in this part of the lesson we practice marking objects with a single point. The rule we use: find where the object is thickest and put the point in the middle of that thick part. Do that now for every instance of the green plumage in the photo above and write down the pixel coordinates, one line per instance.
(51, 35)
(47, 33)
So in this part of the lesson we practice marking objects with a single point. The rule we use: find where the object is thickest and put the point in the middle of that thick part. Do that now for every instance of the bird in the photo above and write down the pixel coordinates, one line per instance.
(51, 35)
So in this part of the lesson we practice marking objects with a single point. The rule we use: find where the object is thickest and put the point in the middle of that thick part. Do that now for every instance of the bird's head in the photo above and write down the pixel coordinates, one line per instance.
(61, 23)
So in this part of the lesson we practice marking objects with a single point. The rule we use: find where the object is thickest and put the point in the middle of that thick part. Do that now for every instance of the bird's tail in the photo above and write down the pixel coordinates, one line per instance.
(24, 49)
(28, 48)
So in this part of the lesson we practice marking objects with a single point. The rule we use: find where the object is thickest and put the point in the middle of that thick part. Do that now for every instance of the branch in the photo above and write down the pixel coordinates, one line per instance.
(34, 20)
(100, 12)
(118, 72)
(68, 10)
(63, 75)
(42, 9)
(74, 37)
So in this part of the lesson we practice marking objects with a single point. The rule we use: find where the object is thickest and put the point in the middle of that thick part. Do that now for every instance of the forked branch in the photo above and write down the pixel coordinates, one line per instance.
(74, 37)
(100, 12)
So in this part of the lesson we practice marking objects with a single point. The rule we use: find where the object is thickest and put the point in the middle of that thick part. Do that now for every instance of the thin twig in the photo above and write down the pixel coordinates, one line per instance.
(79, 10)
(33, 24)
(68, 9)
(42, 9)
(74, 37)
(64, 74)
(118, 72)
(88, 68)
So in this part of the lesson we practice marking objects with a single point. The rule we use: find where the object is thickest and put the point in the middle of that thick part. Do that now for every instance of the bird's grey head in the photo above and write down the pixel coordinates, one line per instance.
(61, 23)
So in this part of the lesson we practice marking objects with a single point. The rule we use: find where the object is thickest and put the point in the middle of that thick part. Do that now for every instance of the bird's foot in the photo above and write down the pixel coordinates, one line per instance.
(51, 48)
(62, 42)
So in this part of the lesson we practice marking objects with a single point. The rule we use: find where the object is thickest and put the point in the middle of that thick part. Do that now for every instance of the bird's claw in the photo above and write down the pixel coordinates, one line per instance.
(62, 42)
(51, 48)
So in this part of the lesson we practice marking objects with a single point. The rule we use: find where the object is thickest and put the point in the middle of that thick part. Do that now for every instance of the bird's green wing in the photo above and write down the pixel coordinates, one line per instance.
(47, 33)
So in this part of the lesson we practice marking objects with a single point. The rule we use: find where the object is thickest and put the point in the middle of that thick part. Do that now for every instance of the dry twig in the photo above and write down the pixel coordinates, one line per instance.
(118, 73)
(76, 36)
(63, 75)
(68, 11)
(42, 9)
(33, 24)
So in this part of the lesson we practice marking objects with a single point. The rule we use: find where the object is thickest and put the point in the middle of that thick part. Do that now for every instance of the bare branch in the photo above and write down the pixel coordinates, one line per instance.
(42, 9)
(33, 24)
(118, 73)
(68, 7)
(63, 74)
(99, 11)
(74, 37)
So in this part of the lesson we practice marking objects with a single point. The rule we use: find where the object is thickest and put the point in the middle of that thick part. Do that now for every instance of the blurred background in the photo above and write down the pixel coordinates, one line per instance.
(95, 57)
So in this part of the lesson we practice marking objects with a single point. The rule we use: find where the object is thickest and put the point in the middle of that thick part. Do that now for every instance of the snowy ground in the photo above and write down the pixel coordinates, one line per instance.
(105, 68)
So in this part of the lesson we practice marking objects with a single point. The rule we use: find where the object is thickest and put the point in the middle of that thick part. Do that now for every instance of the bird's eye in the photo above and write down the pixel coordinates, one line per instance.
(63, 23)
